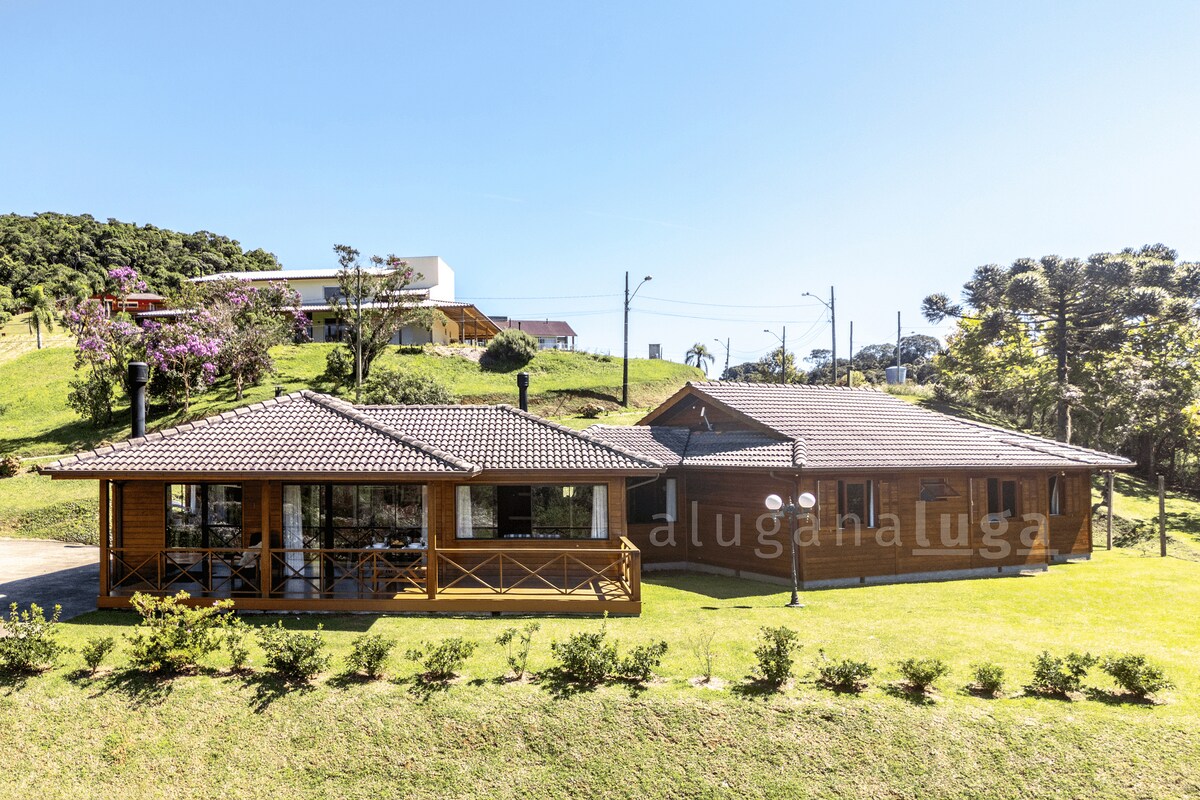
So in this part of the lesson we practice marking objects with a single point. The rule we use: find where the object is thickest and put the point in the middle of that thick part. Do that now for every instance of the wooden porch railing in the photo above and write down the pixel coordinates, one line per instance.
(610, 573)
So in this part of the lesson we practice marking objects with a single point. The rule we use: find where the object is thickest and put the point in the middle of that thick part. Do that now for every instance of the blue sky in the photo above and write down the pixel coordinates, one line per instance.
(742, 154)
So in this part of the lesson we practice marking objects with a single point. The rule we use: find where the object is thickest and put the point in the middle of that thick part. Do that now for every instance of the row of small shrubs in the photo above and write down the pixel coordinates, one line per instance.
(174, 637)
(1054, 675)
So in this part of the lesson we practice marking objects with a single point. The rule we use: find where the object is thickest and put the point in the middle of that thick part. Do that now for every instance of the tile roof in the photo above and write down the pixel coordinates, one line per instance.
(537, 327)
(503, 437)
(840, 428)
(307, 432)
(677, 446)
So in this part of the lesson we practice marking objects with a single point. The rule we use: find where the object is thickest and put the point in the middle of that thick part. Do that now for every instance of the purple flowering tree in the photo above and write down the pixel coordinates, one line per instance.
(122, 282)
(185, 353)
(251, 320)
(104, 346)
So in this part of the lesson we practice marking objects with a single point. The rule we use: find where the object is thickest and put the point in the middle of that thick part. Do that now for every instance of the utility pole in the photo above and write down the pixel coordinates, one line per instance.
(625, 363)
(832, 306)
(850, 369)
(357, 331)
(724, 344)
(782, 352)
(897, 345)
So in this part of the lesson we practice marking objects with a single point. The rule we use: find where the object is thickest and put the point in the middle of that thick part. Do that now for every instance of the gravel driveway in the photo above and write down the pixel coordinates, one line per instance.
(49, 572)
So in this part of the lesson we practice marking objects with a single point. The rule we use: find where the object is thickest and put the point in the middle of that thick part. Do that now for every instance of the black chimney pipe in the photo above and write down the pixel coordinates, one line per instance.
(523, 389)
(139, 376)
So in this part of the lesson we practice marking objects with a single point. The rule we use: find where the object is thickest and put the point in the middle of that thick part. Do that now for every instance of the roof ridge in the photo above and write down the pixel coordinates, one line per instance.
(351, 412)
(580, 435)
(175, 430)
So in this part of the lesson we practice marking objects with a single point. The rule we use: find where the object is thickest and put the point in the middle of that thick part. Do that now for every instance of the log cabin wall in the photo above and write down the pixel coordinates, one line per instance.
(721, 525)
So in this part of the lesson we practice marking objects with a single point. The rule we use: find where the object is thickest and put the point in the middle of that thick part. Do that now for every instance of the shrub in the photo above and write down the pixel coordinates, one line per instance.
(516, 644)
(586, 658)
(10, 467)
(443, 660)
(172, 636)
(843, 674)
(989, 678)
(339, 366)
(591, 410)
(236, 633)
(388, 386)
(641, 662)
(509, 350)
(27, 644)
(702, 651)
(1135, 674)
(922, 673)
(1055, 675)
(776, 655)
(95, 649)
(369, 654)
(293, 655)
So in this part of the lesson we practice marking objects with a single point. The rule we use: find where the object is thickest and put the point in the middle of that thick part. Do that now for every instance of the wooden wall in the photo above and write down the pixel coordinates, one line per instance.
(910, 537)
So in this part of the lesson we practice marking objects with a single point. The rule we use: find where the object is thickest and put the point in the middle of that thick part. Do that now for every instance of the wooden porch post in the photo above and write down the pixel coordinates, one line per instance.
(432, 527)
(104, 528)
(264, 560)
(1108, 499)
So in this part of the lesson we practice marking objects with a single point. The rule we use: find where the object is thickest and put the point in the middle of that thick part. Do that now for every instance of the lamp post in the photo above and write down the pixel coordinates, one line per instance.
(724, 344)
(783, 352)
(625, 367)
(803, 505)
(831, 305)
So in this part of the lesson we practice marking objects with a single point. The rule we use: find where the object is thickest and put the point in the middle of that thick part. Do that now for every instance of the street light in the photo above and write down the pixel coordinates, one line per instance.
(724, 344)
(782, 350)
(832, 323)
(625, 368)
(803, 505)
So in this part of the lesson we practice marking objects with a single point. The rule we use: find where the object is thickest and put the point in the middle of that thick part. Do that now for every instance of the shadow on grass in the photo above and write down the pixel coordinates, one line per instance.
(423, 688)
(15, 681)
(345, 680)
(752, 688)
(140, 688)
(974, 691)
(903, 691)
(716, 587)
(269, 687)
(1112, 698)
(562, 685)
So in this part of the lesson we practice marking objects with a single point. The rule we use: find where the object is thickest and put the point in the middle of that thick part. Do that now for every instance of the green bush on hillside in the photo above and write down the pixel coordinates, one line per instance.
(388, 386)
(511, 349)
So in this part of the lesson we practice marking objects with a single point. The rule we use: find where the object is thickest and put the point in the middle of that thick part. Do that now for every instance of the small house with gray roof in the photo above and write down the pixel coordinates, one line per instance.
(896, 491)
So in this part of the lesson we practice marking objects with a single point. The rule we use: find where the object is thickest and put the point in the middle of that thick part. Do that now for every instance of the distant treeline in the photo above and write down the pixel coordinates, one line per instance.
(70, 255)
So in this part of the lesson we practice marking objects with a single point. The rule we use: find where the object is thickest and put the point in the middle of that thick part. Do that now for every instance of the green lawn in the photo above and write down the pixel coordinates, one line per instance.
(36, 421)
(66, 735)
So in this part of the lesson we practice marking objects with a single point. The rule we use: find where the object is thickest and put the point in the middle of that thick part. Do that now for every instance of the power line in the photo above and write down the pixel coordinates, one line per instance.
(725, 305)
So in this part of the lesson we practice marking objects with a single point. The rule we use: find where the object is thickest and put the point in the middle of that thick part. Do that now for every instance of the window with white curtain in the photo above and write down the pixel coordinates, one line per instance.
(539, 511)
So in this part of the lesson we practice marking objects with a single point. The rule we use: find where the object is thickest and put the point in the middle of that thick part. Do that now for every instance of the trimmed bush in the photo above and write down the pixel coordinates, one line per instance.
(236, 634)
(339, 366)
(843, 674)
(776, 655)
(641, 662)
(27, 644)
(442, 661)
(1060, 675)
(95, 650)
(510, 349)
(292, 655)
(989, 678)
(388, 386)
(369, 654)
(172, 636)
(10, 467)
(1135, 674)
(516, 644)
(922, 673)
(586, 658)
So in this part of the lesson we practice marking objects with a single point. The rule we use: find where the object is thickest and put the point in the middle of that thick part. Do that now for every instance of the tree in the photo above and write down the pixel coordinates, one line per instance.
(699, 356)
(104, 346)
(186, 354)
(765, 370)
(41, 311)
(374, 305)
(1072, 308)
(252, 320)
(8, 305)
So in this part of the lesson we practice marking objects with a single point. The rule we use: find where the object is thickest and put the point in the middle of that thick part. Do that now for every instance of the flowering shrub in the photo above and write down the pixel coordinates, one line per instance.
(185, 353)
(173, 636)
(104, 346)
(27, 644)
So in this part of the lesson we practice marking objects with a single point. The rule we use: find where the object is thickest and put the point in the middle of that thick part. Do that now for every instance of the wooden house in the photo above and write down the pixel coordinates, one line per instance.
(901, 492)
(305, 502)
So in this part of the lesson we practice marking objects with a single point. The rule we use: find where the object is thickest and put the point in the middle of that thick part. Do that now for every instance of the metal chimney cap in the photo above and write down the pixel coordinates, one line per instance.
(523, 379)
(139, 372)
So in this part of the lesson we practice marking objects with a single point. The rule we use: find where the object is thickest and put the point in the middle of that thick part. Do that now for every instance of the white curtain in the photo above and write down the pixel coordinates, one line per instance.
(464, 529)
(293, 527)
(600, 512)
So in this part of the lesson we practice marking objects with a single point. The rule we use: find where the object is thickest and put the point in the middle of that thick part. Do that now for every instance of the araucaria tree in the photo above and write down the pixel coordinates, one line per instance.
(373, 304)
(1063, 337)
